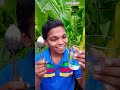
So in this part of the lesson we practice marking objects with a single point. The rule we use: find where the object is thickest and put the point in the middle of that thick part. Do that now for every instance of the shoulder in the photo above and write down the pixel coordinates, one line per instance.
(66, 52)
(45, 53)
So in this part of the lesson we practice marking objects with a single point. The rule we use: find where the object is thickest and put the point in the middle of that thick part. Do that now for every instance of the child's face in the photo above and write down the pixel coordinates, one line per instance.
(57, 40)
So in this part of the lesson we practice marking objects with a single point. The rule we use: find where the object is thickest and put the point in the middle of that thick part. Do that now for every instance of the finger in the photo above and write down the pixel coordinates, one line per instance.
(79, 55)
(114, 62)
(77, 49)
(108, 71)
(82, 65)
(114, 81)
(81, 52)
(40, 70)
(109, 87)
(40, 62)
(41, 74)
(80, 60)
(97, 54)
(39, 66)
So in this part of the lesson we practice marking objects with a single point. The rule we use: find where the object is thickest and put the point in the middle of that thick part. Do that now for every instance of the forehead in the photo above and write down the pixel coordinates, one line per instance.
(57, 31)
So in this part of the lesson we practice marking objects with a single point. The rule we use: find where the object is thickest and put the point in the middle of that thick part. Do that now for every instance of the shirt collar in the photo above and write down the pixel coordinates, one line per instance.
(47, 56)
(65, 56)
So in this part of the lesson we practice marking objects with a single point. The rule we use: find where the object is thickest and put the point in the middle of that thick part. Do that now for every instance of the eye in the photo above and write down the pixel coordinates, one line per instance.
(53, 39)
(64, 36)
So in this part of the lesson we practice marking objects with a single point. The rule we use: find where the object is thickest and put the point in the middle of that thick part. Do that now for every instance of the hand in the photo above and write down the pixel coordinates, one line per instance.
(110, 74)
(80, 56)
(40, 68)
(16, 85)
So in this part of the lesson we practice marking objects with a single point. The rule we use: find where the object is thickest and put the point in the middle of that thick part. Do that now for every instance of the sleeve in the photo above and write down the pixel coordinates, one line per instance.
(77, 73)
(37, 57)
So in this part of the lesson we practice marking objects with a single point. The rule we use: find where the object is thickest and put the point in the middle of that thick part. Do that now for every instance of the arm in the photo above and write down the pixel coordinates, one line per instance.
(81, 59)
(81, 81)
(14, 85)
(37, 82)
(40, 70)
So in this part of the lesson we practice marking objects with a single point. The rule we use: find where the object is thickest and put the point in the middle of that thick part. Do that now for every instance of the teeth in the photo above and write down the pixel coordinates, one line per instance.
(61, 47)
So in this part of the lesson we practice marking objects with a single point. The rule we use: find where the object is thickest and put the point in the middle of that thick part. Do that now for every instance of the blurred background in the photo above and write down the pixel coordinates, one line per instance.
(7, 17)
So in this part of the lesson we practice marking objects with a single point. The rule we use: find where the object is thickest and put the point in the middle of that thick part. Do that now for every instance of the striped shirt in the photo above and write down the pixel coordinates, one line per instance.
(58, 77)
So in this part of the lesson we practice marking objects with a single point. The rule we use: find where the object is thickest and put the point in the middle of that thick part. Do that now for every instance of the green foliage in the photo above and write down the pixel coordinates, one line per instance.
(72, 15)
(101, 22)
(99, 16)
(7, 17)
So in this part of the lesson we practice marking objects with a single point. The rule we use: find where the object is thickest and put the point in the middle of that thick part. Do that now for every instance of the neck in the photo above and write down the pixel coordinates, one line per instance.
(56, 58)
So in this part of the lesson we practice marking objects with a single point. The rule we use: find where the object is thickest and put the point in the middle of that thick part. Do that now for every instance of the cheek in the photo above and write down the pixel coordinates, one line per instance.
(66, 40)
(51, 44)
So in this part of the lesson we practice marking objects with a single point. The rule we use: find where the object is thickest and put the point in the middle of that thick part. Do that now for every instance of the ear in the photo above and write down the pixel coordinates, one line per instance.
(45, 43)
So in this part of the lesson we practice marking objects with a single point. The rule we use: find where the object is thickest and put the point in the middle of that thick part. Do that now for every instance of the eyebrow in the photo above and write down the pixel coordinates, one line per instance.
(56, 36)
(53, 37)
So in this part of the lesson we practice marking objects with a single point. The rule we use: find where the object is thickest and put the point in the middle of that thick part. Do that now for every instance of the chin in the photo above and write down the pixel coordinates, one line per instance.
(61, 52)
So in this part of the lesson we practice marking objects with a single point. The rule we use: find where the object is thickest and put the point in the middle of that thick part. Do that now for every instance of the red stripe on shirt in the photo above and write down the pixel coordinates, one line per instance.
(50, 70)
(65, 70)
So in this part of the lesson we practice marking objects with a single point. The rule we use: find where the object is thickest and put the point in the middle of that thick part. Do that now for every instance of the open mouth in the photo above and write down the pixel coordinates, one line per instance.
(61, 48)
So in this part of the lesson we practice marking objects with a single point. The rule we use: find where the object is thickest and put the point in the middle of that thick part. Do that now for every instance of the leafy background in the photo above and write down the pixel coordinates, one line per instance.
(72, 15)
(102, 21)
(102, 18)
(7, 17)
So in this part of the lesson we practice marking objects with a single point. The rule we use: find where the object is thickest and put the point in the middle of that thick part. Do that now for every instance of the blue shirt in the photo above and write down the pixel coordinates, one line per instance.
(92, 84)
(58, 77)
(25, 70)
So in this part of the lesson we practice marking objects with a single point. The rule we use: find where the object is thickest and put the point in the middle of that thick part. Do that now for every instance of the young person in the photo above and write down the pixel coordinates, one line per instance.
(53, 72)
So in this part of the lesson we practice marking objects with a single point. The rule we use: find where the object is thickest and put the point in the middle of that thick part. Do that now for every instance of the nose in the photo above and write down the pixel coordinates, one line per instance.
(60, 41)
